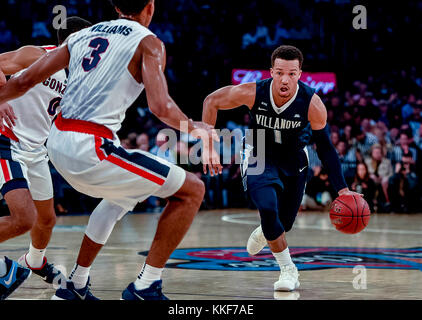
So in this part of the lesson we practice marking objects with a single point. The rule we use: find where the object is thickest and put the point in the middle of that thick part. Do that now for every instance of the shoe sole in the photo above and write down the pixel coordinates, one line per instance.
(56, 298)
(285, 289)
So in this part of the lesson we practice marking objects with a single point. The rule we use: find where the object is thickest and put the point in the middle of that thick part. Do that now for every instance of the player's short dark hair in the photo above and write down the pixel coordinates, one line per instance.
(130, 6)
(73, 24)
(287, 53)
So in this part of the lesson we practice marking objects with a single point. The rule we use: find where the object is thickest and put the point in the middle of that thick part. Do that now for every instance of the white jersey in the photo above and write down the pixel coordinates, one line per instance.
(100, 86)
(36, 110)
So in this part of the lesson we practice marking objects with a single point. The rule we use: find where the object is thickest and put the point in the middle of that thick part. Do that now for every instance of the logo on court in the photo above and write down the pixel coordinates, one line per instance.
(305, 258)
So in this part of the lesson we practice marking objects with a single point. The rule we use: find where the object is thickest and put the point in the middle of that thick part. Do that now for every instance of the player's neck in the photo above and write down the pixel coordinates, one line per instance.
(281, 101)
(138, 19)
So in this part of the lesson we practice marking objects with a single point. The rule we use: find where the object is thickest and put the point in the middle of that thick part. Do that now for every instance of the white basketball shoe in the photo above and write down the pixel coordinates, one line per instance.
(256, 242)
(289, 279)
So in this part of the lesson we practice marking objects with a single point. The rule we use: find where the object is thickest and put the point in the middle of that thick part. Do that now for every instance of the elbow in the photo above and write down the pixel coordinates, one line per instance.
(210, 105)
(159, 109)
(209, 101)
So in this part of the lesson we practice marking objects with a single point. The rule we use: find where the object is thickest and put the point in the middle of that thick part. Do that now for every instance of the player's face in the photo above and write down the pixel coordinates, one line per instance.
(286, 74)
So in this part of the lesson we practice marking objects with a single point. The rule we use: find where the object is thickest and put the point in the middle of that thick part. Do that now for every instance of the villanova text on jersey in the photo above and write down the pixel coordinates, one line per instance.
(276, 123)
(287, 129)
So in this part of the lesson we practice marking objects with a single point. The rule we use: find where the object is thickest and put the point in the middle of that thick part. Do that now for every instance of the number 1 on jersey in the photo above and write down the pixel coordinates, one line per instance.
(277, 136)
(100, 45)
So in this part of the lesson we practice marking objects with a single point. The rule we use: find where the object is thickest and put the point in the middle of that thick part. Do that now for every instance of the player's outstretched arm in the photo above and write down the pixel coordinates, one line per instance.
(159, 100)
(317, 116)
(15, 61)
(47, 65)
(226, 98)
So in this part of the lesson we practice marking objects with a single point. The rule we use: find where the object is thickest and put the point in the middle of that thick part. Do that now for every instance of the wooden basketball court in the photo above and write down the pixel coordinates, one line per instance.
(390, 248)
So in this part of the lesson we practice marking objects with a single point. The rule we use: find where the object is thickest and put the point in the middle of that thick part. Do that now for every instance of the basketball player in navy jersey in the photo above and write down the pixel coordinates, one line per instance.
(290, 113)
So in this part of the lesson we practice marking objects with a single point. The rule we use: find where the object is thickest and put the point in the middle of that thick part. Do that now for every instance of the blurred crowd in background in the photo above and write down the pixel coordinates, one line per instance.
(374, 113)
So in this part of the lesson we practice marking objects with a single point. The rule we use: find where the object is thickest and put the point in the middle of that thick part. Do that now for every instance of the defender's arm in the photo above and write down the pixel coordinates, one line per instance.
(159, 100)
(47, 65)
(15, 61)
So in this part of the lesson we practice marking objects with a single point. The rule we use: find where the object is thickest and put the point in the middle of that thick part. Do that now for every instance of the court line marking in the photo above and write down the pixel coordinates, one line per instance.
(239, 219)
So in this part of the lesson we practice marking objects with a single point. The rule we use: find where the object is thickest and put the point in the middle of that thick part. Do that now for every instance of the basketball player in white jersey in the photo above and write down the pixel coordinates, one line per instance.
(110, 64)
(24, 171)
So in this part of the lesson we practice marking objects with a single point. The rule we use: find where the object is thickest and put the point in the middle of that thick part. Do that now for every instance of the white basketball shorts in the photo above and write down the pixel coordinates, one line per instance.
(24, 169)
(94, 163)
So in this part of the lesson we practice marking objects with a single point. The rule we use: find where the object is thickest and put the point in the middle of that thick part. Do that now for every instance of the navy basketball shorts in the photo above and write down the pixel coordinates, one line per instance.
(277, 196)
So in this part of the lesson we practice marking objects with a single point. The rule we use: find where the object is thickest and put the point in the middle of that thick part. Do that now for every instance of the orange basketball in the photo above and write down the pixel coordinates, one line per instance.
(350, 213)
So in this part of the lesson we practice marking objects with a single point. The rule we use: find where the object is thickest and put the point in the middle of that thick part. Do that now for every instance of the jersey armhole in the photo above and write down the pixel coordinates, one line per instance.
(259, 85)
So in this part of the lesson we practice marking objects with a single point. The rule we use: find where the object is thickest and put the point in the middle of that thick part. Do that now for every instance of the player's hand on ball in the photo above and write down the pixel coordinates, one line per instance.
(346, 191)
(7, 115)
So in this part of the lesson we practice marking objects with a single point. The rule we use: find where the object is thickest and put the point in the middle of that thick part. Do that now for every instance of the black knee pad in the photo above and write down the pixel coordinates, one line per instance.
(288, 227)
(271, 225)
(266, 201)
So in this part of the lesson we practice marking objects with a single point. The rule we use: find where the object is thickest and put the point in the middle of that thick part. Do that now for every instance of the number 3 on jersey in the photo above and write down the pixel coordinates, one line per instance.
(100, 46)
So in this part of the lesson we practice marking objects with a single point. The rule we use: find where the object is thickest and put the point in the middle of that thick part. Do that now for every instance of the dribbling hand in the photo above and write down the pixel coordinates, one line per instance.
(346, 191)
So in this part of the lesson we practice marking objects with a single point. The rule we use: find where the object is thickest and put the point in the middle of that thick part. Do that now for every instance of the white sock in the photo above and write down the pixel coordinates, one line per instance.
(147, 276)
(283, 258)
(3, 268)
(35, 257)
(79, 276)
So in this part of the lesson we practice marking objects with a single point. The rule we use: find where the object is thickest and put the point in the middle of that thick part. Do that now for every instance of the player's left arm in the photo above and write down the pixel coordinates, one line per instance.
(15, 61)
(317, 116)
(47, 65)
(11, 63)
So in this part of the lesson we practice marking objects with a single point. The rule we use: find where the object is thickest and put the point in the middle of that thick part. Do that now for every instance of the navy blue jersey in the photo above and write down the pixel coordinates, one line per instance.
(287, 129)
